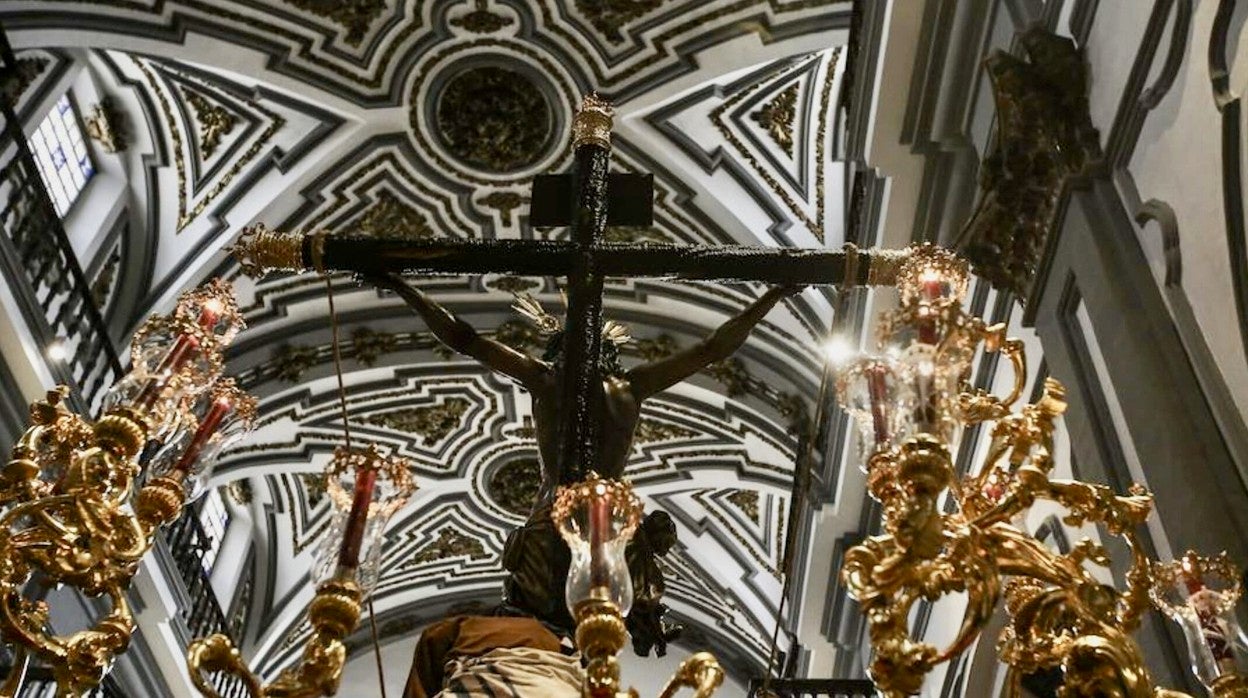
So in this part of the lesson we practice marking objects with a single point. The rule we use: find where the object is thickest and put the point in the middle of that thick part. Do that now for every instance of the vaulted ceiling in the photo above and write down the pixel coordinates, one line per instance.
(430, 119)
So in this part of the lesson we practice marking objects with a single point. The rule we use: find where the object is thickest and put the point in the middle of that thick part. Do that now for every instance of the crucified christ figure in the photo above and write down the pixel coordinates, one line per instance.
(535, 556)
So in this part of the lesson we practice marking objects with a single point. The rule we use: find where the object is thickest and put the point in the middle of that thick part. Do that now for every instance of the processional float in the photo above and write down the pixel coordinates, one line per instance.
(72, 514)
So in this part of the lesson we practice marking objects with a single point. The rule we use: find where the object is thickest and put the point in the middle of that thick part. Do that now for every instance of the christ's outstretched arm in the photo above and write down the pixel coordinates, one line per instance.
(648, 379)
(461, 337)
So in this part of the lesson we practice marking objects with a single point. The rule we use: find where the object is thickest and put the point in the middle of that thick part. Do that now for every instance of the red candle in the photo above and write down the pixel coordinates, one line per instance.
(599, 527)
(220, 408)
(353, 536)
(177, 357)
(1211, 627)
(877, 390)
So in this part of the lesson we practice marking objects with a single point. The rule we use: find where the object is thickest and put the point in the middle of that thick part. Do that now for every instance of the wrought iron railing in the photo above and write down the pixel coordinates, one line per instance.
(40, 684)
(187, 542)
(814, 688)
(40, 267)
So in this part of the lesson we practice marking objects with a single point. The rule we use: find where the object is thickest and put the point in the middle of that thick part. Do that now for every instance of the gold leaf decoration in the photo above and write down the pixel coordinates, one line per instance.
(449, 543)
(433, 423)
(392, 218)
(214, 122)
(746, 501)
(650, 430)
(777, 118)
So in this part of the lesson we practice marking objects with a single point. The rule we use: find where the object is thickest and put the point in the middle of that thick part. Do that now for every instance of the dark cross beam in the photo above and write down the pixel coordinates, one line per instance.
(587, 199)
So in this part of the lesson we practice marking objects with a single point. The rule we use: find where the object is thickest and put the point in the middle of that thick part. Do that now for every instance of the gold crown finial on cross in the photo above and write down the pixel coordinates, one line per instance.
(592, 123)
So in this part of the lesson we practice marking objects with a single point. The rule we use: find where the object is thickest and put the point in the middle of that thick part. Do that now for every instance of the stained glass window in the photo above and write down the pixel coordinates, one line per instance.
(64, 163)
(213, 518)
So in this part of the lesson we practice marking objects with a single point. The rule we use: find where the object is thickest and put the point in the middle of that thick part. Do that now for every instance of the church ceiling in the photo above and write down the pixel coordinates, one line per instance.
(430, 119)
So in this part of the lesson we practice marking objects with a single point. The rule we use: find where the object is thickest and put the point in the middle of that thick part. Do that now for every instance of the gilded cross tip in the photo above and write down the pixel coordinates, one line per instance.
(260, 250)
(593, 121)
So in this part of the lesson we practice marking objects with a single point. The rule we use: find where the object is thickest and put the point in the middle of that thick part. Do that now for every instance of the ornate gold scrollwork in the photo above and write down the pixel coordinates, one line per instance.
(333, 613)
(1060, 615)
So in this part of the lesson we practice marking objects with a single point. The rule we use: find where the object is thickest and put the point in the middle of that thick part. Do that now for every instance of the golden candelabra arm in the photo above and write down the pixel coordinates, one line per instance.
(333, 614)
(71, 514)
(701, 672)
(910, 405)
(596, 518)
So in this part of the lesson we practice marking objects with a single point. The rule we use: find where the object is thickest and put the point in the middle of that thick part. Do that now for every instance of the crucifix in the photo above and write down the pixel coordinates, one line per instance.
(584, 415)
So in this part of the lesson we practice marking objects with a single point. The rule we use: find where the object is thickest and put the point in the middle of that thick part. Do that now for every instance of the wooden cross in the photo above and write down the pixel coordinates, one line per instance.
(587, 199)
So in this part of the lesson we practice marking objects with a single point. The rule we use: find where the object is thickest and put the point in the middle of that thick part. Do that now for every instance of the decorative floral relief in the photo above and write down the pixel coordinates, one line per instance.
(450, 543)
(481, 20)
(214, 122)
(777, 118)
(494, 119)
(746, 501)
(391, 217)
(608, 16)
(356, 16)
(24, 72)
(433, 423)
(514, 486)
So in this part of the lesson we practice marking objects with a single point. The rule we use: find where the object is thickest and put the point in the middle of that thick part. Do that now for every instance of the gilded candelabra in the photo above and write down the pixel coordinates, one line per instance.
(70, 514)
(597, 518)
(945, 533)
(347, 566)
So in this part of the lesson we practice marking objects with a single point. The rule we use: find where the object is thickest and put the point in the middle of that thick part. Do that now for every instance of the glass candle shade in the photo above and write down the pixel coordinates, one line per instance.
(597, 518)
(876, 392)
(933, 393)
(222, 417)
(212, 307)
(1200, 594)
(932, 276)
(365, 489)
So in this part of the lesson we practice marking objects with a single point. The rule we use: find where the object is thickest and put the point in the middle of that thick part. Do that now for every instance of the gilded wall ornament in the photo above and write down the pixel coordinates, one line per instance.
(649, 430)
(239, 491)
(609, 16)
(513, 284)
(449, 543)
(732, 374)
(660, 347)
(494, 119)
(313, 487)
(481, 20)
(24, 72)
(433, 423)
(746, 501)
(102, 285)
(505, 202)
(1044, 136)
(519, 335)
(369, 345)
(214, 122)
(777, 118)
(392, 216)
(107, 125)
(356, 16)
(514, 486)
(292, 360)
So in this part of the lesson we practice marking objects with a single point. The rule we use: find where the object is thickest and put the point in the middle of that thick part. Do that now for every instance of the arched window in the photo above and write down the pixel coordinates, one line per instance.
(61, 154)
